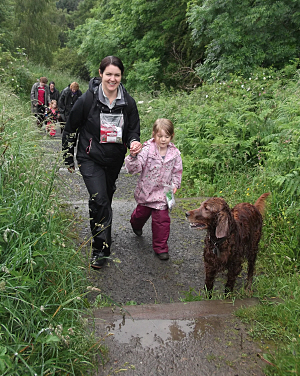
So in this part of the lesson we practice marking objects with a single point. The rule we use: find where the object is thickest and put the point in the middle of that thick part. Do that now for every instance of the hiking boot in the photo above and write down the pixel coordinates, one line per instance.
(163, 256)
(98, 259)
(137, 232)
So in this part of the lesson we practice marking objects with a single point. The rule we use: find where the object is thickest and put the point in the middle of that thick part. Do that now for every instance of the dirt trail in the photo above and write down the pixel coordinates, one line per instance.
(191, 341)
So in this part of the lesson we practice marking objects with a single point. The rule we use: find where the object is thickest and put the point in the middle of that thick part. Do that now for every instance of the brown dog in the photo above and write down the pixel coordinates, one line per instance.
(232, 237)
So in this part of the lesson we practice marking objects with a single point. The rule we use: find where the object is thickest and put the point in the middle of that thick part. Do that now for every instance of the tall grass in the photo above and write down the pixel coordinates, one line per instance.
(42, 278)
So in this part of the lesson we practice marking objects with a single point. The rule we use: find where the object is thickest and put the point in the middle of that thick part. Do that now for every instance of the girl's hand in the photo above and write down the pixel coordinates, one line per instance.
(135, 148)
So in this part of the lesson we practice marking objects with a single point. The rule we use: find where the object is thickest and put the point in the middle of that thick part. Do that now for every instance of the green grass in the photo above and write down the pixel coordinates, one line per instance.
(43, 285)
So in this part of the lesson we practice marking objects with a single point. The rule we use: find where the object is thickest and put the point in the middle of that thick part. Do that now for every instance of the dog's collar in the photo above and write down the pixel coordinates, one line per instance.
(217, 242)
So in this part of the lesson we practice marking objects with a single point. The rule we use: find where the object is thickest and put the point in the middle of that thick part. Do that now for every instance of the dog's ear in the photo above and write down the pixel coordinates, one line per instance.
(222, 225)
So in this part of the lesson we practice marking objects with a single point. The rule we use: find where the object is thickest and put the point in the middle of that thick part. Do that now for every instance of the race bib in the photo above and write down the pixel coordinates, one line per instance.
(111, 128)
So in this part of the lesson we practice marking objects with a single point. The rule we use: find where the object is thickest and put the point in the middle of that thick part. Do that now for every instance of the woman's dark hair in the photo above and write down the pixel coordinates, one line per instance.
(111, 60)
(52, 82)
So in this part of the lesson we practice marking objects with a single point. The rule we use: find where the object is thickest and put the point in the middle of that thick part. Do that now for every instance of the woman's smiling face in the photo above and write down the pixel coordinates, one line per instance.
(111, 78)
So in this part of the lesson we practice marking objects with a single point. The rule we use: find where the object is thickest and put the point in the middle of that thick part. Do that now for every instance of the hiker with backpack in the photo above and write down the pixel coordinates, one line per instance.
(107, 121)
(67, 99)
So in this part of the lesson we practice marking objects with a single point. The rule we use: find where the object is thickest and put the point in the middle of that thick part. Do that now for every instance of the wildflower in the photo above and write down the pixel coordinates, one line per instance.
(248, 89)
(91, 288)
(140, 102)
(242, 86)
(206, 96)
(248, 189)
(264, 78)
(42, 308)
(220, 191)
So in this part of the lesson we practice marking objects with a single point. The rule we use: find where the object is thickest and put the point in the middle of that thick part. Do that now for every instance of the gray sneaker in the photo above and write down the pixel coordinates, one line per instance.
(163, 256)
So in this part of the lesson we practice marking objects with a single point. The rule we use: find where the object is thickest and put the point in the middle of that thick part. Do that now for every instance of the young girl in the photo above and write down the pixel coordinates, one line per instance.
(160, 165)
(52, 114)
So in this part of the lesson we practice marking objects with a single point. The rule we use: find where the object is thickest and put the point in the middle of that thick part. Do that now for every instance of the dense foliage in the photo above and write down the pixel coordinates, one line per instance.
(245, 34)
(182, 46)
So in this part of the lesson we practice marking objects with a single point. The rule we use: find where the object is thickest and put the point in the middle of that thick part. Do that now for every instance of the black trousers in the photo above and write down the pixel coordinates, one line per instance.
(100, 182)
(40, 114)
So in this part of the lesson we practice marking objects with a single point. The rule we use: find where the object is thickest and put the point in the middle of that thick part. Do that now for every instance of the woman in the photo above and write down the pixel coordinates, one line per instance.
(67, 99)
(107, 119)
(54, 93)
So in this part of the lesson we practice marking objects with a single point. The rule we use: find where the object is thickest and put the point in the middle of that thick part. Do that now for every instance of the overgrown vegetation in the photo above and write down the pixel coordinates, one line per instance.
(186, 44)
(239, 138)
(43, 285)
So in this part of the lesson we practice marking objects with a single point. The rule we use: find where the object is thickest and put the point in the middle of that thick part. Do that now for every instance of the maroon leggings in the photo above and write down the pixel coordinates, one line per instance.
(160, 225)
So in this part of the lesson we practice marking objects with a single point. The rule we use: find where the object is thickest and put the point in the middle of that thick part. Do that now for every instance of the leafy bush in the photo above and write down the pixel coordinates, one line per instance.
(15, 73)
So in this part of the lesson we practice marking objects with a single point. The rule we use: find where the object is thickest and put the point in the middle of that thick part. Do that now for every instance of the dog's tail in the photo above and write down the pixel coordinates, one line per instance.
(260, 202)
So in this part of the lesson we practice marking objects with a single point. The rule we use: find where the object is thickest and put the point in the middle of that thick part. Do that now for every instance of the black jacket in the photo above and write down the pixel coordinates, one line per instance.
(86, 124)
(54, 95)
(66, 101)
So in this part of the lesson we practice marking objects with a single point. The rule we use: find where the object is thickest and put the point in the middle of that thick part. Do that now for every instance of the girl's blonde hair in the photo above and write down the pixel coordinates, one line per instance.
(53, 102)
(165, 125)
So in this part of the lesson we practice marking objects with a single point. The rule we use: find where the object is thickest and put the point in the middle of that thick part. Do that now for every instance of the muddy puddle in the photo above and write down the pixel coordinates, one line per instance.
(198, 338)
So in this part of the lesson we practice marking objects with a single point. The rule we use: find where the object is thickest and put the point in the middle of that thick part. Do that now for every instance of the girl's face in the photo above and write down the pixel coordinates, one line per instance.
(111, 78)
(162, 139)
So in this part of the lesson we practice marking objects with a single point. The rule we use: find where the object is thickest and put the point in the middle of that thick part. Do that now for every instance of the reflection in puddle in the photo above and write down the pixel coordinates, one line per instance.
(153, 333)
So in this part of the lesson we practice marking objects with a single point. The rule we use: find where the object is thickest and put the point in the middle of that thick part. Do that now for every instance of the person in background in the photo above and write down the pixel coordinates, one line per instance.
(104, 132)
(67, 99)
(51, 116)
(54, 93)
(40, 99)
(160, 167)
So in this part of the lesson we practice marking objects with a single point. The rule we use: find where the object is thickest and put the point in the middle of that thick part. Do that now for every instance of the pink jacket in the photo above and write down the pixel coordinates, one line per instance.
(155, 173)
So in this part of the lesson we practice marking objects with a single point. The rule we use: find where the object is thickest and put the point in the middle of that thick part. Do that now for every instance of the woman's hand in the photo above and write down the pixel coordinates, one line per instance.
(174, 190)
(135, 148)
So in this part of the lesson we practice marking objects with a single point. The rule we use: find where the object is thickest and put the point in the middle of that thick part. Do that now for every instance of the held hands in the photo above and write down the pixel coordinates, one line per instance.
(135, 148)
